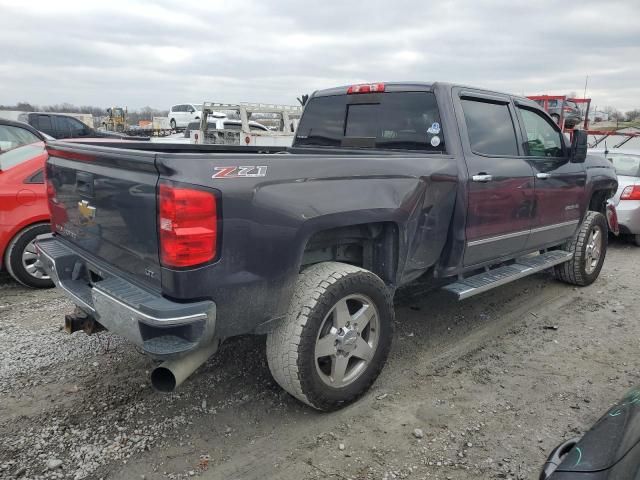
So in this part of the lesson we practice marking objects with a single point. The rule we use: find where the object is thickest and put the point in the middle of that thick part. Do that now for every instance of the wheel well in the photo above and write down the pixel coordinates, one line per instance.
(598, 202)
(4, 255)
(373, 246)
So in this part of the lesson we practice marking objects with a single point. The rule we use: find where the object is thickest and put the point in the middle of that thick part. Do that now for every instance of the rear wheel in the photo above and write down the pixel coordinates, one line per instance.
(173, 124)
(636, 239)
(336, 337)
(589, 247)
(21, 259)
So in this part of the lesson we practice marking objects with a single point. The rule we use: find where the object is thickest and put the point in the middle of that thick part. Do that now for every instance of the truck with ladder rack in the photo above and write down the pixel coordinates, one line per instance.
(179, 247)
(259, 124)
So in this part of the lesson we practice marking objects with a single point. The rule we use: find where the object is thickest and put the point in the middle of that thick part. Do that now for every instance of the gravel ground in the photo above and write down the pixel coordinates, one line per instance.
(478, 389)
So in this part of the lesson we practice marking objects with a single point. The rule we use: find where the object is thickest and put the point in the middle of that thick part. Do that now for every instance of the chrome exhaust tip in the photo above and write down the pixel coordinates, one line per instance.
(169, 375)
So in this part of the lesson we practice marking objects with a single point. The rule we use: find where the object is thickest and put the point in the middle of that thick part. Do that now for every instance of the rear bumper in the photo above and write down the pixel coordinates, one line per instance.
(629, 216)
(162, 328)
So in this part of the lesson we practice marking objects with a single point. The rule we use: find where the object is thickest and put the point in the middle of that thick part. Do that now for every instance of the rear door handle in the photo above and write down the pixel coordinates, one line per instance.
(543, 176)
(482, 178)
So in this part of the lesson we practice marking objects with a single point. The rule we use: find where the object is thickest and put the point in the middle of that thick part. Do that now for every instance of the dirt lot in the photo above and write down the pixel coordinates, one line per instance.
(489, 381)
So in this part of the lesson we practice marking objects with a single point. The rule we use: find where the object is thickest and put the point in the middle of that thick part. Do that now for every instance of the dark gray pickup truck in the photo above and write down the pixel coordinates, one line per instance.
(178, 247)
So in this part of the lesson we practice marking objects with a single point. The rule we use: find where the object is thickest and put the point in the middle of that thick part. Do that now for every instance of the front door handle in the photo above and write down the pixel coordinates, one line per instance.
(543, 176)
(482, 178)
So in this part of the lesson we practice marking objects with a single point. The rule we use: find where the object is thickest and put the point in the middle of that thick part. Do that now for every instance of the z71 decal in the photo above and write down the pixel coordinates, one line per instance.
(240, 172)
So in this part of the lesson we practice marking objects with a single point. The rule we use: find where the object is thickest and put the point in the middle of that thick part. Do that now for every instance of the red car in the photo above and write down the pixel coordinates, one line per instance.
(24, 213)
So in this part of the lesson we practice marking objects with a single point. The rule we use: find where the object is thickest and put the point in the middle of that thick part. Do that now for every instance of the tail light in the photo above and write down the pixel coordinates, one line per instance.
(52, 200)
(366, 88)
(187, 224)
(632, 192)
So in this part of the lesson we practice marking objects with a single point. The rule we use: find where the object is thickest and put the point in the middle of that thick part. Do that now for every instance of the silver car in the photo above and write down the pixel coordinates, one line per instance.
(627, 198)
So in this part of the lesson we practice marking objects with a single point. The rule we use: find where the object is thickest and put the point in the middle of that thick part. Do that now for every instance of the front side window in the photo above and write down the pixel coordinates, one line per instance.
(542, 140)
(78, 129)
(68, 127)
(393, 120)
(490, 127)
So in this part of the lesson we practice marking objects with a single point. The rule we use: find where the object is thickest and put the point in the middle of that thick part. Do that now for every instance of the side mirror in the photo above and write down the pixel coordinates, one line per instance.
(579, 146)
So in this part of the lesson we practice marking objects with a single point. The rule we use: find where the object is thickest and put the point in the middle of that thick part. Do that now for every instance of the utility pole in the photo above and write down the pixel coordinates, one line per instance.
(586, 81)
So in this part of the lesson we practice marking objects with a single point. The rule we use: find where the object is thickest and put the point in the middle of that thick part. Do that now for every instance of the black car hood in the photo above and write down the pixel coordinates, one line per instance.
(609, 440)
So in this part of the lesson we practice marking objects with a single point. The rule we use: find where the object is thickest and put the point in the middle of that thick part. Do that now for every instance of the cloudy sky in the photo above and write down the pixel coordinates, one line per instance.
(160, 53)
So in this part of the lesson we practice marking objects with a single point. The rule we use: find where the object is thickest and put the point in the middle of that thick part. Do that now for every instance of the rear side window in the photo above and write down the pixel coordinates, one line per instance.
(490, 128)
(12, 137)
(37, 177)
(543, 140)
(394, 120)
(43, 123)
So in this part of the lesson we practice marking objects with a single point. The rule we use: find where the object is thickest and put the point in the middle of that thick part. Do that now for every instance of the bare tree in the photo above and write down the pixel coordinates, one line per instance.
(633, 115)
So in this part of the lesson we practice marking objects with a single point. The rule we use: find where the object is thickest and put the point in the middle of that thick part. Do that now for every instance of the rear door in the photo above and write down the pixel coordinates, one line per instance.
(559, 184)
(181, 117)
(500, 185)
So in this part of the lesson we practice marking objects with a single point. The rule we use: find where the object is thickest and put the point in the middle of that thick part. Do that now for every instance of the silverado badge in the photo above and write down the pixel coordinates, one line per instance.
(87, 212)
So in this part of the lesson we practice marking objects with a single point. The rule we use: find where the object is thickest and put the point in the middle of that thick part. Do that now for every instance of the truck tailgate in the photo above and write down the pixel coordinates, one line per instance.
(104, 202)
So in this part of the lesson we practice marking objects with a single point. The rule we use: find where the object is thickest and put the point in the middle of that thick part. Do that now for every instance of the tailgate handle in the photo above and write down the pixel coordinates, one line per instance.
(84, 183)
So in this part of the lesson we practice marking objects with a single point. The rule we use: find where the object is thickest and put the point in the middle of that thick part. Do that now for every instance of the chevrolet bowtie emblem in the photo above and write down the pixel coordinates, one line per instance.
(87, 212)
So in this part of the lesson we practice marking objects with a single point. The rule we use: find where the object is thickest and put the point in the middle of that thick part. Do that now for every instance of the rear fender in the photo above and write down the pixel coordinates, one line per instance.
(421, 208)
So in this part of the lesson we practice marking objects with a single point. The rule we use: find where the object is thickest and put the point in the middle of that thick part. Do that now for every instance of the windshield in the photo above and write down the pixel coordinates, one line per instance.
(398, 120)
(625, 164)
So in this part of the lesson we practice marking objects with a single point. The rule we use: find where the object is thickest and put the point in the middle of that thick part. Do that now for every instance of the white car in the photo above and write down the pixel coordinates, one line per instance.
(627, 198)
(184, 113)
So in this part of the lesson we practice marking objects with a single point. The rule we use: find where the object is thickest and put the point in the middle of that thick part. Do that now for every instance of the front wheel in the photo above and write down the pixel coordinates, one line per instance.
(336, 337)
(589, 247)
